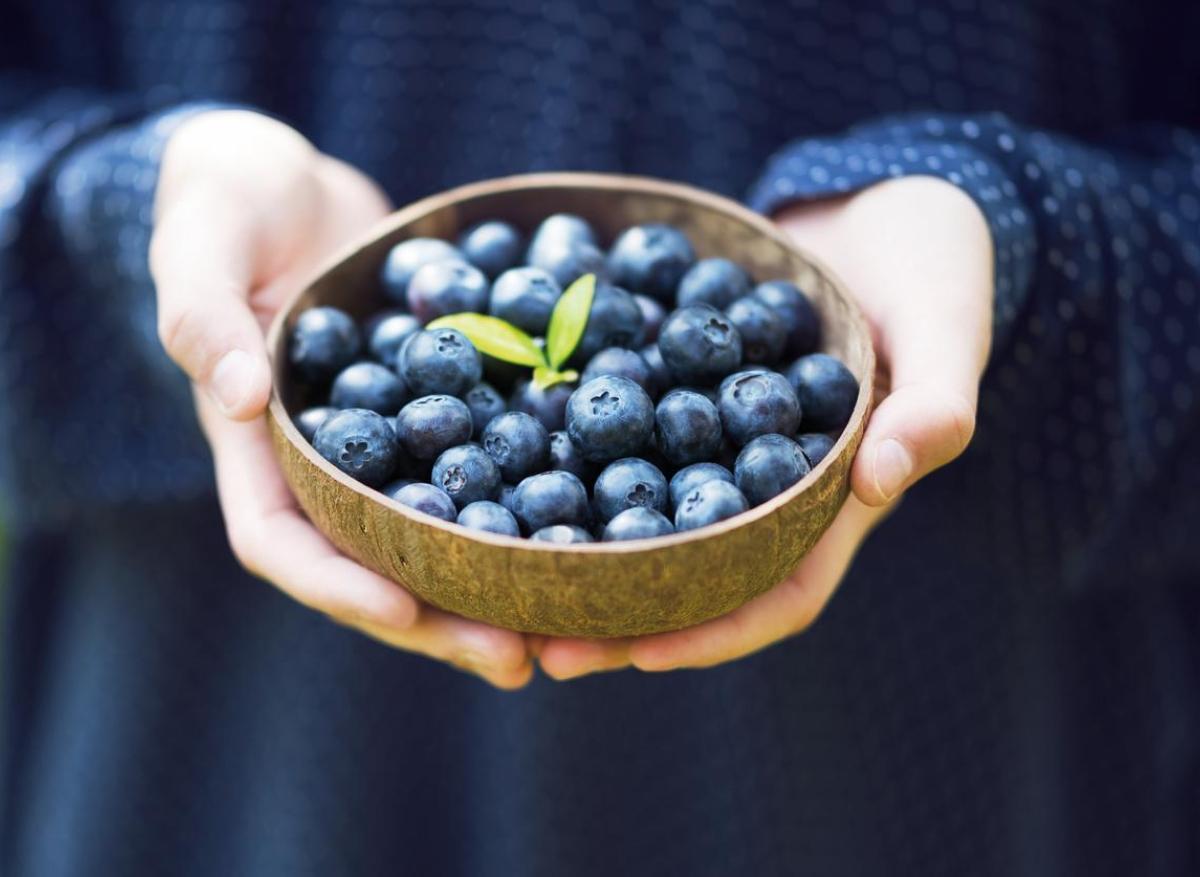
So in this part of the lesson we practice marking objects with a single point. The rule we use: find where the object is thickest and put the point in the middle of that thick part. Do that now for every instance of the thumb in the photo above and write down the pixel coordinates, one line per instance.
(928, 417)
(201, 257)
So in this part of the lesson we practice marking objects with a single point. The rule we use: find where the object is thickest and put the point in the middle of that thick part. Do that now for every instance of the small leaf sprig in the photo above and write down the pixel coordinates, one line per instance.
(502, 340)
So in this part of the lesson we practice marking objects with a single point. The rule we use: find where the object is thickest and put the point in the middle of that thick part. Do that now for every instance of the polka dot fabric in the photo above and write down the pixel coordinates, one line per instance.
(1016, 697)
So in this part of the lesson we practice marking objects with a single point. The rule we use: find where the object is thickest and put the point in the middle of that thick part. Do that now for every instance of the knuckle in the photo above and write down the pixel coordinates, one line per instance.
(958, 417)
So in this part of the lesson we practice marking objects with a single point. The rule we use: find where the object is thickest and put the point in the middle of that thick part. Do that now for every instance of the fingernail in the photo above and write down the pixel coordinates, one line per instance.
(230, 382)
(893, 466)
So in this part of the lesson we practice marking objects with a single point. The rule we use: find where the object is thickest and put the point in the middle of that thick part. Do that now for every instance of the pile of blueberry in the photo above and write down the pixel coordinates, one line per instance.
(700, 395)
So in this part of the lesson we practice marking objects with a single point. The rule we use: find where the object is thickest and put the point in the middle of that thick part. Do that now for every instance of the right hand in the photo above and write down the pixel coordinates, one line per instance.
(246, 209)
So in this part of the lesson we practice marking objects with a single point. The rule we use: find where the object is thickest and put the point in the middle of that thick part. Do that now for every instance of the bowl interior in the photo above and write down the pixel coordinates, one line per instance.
(602, 589)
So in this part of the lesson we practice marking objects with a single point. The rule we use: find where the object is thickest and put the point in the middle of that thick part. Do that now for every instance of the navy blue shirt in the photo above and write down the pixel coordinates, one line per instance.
(1016, 696)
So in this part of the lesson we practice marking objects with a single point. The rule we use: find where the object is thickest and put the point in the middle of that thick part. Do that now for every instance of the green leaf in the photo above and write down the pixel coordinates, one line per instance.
(569, 319)
(495, 337)
(544, 377)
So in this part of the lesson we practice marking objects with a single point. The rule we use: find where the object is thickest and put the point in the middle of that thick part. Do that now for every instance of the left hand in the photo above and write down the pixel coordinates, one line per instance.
(917, 255)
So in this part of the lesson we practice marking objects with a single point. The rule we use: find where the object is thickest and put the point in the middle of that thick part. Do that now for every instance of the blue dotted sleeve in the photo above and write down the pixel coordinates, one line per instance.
(1096, 361)
(97, 413)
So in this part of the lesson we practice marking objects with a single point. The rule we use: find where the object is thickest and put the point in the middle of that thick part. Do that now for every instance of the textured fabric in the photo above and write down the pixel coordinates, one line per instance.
(1016, 697)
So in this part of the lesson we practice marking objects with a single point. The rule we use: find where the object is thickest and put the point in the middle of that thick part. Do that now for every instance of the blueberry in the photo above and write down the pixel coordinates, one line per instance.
(816, 446)
(565, 456)
(360, 443)
(439, 361)
(485, 403)
(700, 345)
(754, 403)
(622, 362)
(525, 297)
(764, 336)
(562, 534)
(550, 498)
(518, 443)
(467, 474)
(627, 483)
(369, 385)
(650, 259)
(637, 523)
(447, 287)
(492, 247)
(491, 517)
(389, 334)
(548, 405)
(687, 427)
(406, 257)
(505, 496)
(715, 282)
(323, 342)
(660, 375)
(690, 477)
(559, 230)
(427, 499)
(615, 321)
(309, 420)
(568, 262)
(712, 501)
(800, 320)
(608, 418)
(394, 487)
(768, 466)
(653, 315)
(827, 391)
(432, 424)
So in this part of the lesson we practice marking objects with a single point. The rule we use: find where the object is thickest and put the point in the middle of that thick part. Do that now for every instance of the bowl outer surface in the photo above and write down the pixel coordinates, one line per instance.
(601, 589)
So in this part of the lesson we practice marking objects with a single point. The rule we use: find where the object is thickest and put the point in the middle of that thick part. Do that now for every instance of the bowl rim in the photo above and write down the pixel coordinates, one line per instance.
(560, 180)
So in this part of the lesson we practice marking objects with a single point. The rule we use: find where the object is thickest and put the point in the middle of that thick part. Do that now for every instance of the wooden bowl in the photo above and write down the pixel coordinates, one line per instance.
(602, 589)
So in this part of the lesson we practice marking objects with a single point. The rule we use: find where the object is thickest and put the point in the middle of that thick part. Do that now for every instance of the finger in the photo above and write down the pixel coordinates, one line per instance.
(202, 263)
(272, 540)
(788, 608)
(567, 658)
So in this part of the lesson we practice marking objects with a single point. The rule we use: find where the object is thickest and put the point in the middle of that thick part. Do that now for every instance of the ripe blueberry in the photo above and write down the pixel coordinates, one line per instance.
(467, 474)
(637, 523)
(609, 417)
(565, 456)
(490, 517)
(650, 259)
(827, 391)
(768, 466)
(754, 403)
(309, 420)
(687, 427)
(406, 257)
(369, 385)
(323, 342)
(660, 375)
(491, 246)
(439, 361)
(653, 315)
(558, 230)
(505, 497)
(550, 498)
(432, 424)
(567, 262)
(548, 405)
(360, 443)
(700, 345)
(518, 443)
(446, 287)
(627, 483)
(800, 320)
(615, 321)
(622, 362)
(427, 499)
(690, 477)
(525, 297)
(816, 446)
(485, 403)
(764, 336)
(562, 534)
(389, 334)
(714, 282)
(712, 501)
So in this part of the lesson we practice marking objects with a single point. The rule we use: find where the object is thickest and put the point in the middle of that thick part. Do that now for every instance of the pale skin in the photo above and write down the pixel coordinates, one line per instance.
(246, 208)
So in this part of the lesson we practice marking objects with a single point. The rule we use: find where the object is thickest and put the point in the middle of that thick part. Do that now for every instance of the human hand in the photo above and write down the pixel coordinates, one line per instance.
(917, 255)
(246, 209)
